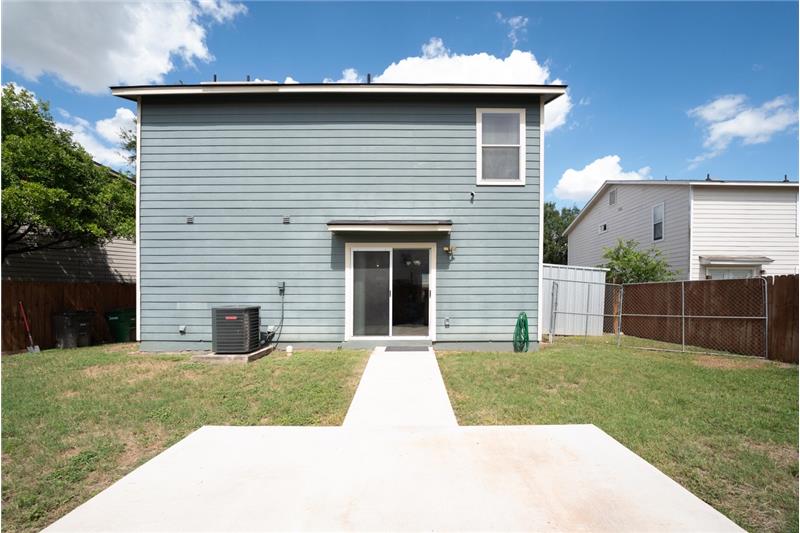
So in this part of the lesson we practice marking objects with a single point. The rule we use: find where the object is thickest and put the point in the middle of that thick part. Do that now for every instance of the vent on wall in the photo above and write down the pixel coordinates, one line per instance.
(235, 329)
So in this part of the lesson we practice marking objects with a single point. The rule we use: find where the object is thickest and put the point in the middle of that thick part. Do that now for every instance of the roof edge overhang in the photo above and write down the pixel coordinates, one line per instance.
(734, 260)
(133, 92)
(391, 226)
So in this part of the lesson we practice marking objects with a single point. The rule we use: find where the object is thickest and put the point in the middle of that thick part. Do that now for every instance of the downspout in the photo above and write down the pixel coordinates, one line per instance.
(541, 222)
(691, 230)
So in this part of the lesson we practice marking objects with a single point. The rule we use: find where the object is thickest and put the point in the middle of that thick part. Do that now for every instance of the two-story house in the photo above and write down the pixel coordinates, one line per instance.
(706, 229)
(372, 213)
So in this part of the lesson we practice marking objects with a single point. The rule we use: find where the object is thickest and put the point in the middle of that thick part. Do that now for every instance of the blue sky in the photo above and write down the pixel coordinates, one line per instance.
(675, 89)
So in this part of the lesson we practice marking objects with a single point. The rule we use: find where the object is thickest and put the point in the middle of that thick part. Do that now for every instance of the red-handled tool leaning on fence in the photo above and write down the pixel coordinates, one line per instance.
(31, 347)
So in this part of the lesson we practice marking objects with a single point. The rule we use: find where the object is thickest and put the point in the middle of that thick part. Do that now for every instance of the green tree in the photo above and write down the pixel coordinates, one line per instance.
(628, 264)
(128, 144)
(54, 194)
(555, 222)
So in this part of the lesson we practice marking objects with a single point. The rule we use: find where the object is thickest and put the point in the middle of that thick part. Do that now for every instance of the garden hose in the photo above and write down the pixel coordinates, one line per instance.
(521, 339)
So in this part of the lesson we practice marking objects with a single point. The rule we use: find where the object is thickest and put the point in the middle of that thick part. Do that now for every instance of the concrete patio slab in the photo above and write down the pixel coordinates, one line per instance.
(523, 478)
(401, 389)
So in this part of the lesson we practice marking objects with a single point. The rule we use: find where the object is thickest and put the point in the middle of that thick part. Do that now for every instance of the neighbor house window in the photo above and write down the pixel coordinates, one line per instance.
(612, 197)
(501, 146)
(658, 222)
(602, 228)
(732, 272)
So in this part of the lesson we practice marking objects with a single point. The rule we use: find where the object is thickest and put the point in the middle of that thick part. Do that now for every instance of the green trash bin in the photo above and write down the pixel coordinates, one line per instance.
(122, 323)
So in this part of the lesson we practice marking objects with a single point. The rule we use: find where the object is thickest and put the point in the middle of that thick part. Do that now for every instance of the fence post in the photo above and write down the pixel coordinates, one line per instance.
(588, 309)
(619, 320)
(766, 317)
(553, 307)
(683, 316)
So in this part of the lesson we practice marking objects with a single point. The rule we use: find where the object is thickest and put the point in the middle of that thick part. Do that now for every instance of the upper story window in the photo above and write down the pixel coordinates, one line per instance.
(658, 222)
(501, 146)
(602, 228)
(612, 197)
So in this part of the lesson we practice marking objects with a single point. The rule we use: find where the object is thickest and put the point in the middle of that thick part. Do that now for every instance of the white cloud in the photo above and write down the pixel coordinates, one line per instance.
(349, 75)
(729, 118)
(221, 10)
(109, 128)
(91, 45)
(581, 184)
(290, 80)
(438, 64)
(435, 48)
(101, 139)
(517, 27)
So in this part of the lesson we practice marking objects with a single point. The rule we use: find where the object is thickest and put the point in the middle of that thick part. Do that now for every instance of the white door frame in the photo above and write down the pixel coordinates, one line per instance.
(351, 247)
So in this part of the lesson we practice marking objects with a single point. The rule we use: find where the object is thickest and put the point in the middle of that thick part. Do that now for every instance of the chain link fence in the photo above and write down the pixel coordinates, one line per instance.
(708, 316)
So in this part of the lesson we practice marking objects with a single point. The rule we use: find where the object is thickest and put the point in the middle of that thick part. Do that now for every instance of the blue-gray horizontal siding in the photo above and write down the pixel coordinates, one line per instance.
(238, 169)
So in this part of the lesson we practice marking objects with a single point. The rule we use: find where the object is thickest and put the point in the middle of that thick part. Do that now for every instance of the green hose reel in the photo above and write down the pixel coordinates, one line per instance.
(521, 339)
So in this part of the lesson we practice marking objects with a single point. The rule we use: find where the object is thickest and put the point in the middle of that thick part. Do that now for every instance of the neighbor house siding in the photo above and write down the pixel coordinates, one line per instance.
(115, 261)
(630, 218)
(749, 221)
(239, 167)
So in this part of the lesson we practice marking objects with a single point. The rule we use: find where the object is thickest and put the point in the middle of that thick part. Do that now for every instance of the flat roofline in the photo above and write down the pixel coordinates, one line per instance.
(133, 92)
(683, 183)
(400, 226)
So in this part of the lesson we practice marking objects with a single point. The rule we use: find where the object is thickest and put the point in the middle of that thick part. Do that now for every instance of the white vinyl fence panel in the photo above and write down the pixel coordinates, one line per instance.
(581, 299)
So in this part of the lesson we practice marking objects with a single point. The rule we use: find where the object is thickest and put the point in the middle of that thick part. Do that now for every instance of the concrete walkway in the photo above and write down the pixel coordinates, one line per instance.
(399, 463)
(401, 389)
(523, 478)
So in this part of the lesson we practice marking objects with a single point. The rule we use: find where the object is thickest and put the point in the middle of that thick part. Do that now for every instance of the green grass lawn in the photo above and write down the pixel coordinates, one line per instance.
(75, 421)
(724, 427)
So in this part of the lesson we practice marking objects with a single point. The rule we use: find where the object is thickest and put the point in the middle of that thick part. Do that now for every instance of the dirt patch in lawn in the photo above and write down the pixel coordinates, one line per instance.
(132, 372)
(783, 455)
(730, 363)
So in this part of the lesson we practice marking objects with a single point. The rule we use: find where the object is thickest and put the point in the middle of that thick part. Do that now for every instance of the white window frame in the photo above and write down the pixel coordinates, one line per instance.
(600, 229)
(663, 222)
(479, 145)
(612, 194)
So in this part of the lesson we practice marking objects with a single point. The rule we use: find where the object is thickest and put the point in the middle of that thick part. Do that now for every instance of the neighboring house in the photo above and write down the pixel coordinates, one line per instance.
(706, 229)
(50, 280)
(392, 212)
(113, 262)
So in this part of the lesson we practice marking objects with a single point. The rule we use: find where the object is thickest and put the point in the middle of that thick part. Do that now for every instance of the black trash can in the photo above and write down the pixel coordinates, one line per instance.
(73, 328)
(122, 323)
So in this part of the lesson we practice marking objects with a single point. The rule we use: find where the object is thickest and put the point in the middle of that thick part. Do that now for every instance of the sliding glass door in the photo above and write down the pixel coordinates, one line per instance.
(371, 293)
(391, 292)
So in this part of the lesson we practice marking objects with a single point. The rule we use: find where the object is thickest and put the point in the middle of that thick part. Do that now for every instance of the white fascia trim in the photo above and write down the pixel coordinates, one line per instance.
(138, 220)
(335, 88)
(366, 228)
(541, 223)
(479, 145)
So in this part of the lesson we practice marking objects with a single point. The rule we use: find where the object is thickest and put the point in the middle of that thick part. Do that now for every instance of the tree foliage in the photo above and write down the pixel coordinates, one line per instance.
(54, 194)
(128, 144)
(628, 264)
(555, 222)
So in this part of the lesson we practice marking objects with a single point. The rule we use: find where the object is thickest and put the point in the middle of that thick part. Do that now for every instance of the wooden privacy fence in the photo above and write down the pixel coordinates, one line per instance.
(756, 316)
(43, 299)
(782, 301)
